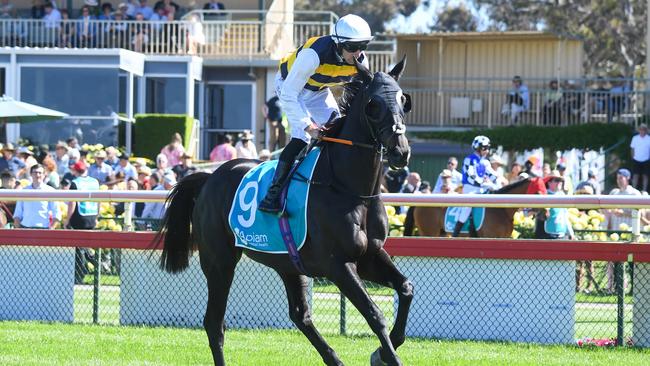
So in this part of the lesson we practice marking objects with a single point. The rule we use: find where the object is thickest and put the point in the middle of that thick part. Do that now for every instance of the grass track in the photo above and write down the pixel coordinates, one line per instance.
(30, 343)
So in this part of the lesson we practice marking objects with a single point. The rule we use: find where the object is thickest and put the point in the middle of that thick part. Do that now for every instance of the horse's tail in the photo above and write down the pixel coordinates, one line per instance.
(176, 225)
(409, 222)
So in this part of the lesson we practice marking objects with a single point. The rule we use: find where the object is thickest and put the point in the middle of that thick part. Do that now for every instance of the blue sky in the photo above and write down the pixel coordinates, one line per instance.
(427, 12)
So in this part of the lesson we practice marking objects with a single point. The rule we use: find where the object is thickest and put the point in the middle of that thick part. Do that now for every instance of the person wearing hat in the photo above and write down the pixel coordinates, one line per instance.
(9, 161)
(99, 169)
(126, 168)
(497, 165)
(82, 215)
(27, 156)
(553, 223)
(640, 153)
(61, 158)
(185, 168)
(245, 147)
(518, 100)
(591, 182)
(529, 166)
(445, 183)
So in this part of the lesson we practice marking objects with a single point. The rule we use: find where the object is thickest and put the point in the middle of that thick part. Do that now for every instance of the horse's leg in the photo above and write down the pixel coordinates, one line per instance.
(380, 269)
(345, 276)
(300, 314)
(219, 280)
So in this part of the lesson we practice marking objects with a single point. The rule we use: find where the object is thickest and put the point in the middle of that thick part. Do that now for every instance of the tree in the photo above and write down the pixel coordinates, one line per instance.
(375, 12)
(455, 19)
(612, 30)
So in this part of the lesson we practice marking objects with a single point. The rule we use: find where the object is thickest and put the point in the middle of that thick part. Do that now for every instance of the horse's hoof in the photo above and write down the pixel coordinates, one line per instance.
(375, 359)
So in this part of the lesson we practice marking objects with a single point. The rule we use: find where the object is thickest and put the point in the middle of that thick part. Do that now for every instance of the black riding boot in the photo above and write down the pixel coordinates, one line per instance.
(271, 202)
(459, 225)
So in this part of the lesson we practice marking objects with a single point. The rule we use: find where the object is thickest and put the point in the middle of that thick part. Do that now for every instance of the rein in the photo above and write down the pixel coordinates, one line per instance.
(347, 142)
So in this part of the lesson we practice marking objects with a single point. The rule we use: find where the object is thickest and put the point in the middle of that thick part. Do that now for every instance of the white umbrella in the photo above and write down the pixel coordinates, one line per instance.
(15, 111)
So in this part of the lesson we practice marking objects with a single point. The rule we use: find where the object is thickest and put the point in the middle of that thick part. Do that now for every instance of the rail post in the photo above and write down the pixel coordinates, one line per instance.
(96, 277)
(342, 315)
(619, 276)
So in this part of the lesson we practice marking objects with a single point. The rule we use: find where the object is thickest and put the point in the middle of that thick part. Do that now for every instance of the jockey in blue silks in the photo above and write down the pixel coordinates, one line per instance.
(303, 86)
(478, 176)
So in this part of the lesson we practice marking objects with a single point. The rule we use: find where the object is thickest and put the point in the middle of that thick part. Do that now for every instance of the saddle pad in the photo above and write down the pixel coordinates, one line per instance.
(451, 217)
(260, 231)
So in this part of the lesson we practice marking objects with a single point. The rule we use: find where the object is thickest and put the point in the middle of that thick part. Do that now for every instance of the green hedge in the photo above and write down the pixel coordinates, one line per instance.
(153, 131)
(587, 136)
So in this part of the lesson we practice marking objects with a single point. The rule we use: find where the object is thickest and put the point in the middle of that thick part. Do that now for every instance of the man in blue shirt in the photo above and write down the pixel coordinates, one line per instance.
(37, 214)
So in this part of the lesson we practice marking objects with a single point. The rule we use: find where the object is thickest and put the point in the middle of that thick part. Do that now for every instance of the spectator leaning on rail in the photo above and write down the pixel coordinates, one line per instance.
(82, 215)
(303, 85)
(37, 214)
(477, 176)
(553, 223)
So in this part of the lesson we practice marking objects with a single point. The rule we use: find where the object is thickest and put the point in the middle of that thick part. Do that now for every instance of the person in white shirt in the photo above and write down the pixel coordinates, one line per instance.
(455, 176)
(37, 214)
(245, 147)
(640, 151)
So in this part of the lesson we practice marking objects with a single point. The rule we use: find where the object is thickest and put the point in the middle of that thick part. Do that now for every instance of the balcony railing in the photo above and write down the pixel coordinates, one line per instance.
(238, 35)
(484, 103)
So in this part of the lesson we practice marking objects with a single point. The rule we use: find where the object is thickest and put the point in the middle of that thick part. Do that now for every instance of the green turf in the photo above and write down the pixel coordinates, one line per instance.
(29, 343)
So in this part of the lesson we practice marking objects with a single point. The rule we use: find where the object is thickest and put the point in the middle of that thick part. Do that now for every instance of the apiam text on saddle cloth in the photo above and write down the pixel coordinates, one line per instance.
(260, 231)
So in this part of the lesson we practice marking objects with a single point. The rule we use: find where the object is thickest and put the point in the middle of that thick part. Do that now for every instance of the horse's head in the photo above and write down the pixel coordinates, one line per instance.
(385, 106)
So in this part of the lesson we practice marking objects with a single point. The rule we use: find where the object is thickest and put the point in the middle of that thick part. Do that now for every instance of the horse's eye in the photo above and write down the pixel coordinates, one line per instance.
(373, 109)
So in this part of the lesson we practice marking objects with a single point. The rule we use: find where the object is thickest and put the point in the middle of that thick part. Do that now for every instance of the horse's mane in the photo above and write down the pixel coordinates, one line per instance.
(350, 90)
(510, 187)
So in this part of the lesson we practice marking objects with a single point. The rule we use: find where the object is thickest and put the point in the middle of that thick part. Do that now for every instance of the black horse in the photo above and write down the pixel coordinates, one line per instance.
(346, 222)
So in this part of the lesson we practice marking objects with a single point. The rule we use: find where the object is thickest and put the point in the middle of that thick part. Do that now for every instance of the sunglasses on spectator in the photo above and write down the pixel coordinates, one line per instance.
(355, 46)
(450, 163)
(556, 180)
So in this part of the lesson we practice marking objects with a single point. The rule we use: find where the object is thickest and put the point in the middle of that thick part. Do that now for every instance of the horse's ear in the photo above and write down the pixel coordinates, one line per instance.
(397, 71)
(364, 73)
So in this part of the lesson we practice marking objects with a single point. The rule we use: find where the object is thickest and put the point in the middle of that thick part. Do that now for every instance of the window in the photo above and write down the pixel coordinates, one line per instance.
(165, 95)
(229, 108)
(80, 92)
(76, 91)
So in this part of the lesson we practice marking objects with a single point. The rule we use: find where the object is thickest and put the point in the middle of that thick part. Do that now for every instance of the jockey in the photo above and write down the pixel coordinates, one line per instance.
(303, 86)
(478, 175)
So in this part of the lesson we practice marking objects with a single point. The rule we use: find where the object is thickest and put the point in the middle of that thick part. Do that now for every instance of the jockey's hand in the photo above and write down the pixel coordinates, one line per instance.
(313, 130)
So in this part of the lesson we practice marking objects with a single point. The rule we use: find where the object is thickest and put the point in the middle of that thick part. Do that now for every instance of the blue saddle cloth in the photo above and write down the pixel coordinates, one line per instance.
(260, 231)
(451, 217)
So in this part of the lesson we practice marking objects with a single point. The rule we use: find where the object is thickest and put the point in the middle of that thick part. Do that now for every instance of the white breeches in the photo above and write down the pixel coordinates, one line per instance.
(466, 211)
(319, 105)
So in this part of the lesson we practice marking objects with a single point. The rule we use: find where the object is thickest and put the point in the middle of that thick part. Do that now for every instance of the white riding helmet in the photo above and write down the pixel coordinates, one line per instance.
(480, 141)
(351, 28)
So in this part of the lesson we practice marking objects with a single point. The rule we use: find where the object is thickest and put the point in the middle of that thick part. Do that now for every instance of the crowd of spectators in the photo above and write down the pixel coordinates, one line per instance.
(108, 168)
(570, 101)
(95, 24)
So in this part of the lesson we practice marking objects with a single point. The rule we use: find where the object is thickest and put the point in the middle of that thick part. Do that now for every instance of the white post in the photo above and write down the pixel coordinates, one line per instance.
(128, 216)
(129, 113)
